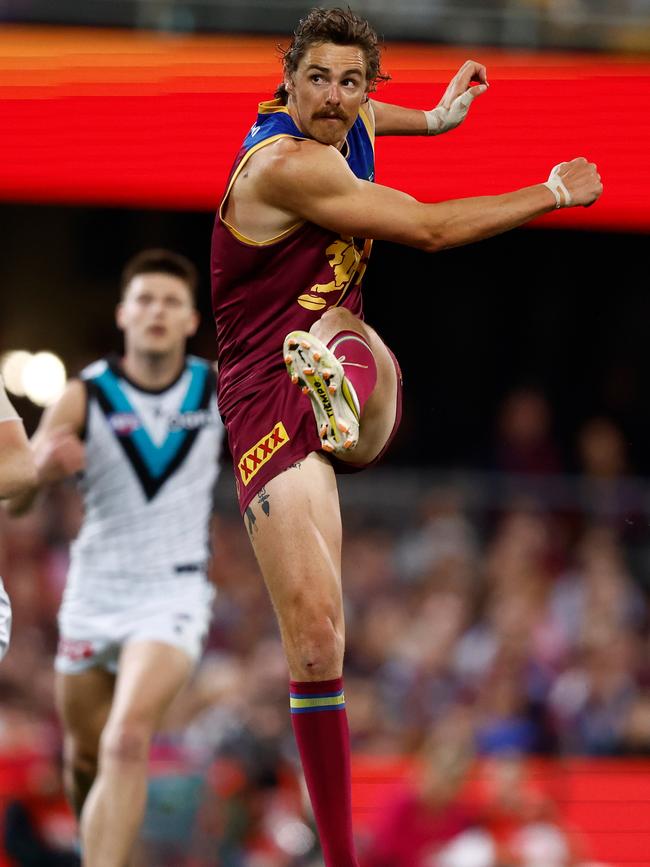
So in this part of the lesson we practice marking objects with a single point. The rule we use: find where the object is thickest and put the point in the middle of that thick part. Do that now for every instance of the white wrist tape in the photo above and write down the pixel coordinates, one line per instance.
(556, 186)
(443, 119)
(7, 412)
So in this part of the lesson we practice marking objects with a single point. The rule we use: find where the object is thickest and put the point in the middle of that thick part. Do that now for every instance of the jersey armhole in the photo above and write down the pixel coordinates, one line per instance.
(232, 229)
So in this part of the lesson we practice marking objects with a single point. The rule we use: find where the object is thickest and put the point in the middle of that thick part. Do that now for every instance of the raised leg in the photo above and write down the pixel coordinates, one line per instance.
(349, 375)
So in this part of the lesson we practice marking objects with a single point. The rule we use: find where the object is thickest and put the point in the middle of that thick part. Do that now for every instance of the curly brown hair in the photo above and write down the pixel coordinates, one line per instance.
(341, 27)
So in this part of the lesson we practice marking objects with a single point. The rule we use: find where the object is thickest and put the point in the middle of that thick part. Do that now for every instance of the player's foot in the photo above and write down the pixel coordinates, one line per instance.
(320, 376)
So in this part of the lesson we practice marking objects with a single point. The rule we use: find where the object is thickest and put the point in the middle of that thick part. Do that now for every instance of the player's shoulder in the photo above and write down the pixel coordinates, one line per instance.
(94, 370)
(289, 154)
(299, 165)
(196, 362)
(69, 410)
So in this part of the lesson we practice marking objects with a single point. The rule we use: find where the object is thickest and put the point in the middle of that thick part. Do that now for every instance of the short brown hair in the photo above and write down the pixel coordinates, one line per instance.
(341, 27)
(159, 261)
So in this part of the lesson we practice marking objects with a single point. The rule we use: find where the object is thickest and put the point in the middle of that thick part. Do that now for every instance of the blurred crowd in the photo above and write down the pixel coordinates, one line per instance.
(609, 25)
(475, 634)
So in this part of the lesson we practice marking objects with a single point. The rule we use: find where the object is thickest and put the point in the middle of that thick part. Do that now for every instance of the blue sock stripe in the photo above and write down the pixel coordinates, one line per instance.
(330, 707)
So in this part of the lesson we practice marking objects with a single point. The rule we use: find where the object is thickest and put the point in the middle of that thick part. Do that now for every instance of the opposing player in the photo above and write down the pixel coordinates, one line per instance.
(144, 432)
(17, 473)
(290, 246)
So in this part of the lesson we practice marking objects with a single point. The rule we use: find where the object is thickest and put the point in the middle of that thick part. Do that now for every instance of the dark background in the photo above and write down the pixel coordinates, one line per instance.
(564, 311)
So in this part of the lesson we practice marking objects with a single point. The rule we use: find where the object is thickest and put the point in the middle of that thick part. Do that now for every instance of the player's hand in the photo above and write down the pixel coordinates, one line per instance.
(61, 455)
(469, 82)
(575, 183)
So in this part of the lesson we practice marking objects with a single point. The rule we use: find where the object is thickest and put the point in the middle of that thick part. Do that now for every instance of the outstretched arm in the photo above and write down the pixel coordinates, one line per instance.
(469, 82)
(56, 448)
(314, 183)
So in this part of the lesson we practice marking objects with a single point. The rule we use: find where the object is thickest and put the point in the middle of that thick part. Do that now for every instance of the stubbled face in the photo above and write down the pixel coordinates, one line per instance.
(157, 314)
(327, 90)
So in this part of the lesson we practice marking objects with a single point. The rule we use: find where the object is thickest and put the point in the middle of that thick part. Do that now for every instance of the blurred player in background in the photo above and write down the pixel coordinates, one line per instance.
(290, 246)
(17, 473)
(144, 433)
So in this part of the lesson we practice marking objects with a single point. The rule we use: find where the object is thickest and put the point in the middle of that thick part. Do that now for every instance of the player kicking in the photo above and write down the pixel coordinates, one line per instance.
(145, 435)
(289, 249)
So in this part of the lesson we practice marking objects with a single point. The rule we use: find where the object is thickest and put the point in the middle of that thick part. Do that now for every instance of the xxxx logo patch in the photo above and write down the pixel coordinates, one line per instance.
(252, 462)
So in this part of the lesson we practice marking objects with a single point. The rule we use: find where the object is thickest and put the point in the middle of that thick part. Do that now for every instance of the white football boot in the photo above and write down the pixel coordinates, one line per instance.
(320, 376)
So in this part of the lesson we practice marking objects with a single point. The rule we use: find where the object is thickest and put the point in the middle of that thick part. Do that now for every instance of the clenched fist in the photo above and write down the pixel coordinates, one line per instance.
(575, 183)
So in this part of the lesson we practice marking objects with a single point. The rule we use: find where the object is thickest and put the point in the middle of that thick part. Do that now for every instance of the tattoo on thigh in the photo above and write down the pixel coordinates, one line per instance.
(250, 517)
(264, 499)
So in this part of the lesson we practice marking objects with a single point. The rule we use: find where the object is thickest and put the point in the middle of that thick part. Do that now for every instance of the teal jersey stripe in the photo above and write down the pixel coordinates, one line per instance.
(156, 458)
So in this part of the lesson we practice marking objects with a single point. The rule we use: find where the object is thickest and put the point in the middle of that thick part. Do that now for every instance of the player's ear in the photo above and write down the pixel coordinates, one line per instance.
(193, 324)
(119, 316)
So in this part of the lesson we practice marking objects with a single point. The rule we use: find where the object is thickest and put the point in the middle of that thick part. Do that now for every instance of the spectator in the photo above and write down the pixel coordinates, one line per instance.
(525, 444)
(418, 823)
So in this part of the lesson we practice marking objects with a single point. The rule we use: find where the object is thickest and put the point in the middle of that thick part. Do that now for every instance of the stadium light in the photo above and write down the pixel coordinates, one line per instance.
(44, 378)
(12, 367)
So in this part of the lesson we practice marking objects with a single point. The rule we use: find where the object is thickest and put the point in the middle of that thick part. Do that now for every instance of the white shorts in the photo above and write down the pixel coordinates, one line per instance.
(92, 637)
(5, 620)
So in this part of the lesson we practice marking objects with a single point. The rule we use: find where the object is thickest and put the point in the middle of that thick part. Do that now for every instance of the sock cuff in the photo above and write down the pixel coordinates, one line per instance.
(343, 336)
(312, 696)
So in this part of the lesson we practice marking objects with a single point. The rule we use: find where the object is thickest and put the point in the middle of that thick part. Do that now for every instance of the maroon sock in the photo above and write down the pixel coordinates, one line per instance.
(358, 363)
(320, 725)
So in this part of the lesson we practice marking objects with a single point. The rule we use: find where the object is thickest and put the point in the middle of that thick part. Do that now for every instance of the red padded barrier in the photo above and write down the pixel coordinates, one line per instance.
(121, 118)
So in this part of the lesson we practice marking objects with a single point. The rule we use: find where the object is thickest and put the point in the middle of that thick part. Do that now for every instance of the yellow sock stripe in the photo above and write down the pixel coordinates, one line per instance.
(315, 702)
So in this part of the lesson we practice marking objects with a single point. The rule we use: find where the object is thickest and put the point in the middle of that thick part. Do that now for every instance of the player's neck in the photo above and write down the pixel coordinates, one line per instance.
(152, 371)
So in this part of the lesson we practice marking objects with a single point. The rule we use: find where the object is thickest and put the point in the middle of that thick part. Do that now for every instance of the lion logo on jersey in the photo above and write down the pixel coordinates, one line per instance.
(344, 259)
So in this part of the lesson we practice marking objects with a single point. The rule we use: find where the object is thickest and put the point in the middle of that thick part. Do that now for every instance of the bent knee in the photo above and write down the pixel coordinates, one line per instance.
(333, 320)
(80, 758)
(126, 742)
(318, 647)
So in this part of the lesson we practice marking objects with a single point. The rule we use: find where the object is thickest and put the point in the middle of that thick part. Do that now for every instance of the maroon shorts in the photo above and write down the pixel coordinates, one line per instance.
(274, 428)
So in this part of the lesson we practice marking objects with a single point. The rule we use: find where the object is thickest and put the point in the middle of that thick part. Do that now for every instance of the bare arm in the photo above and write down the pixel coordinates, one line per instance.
(56, 447)
(469, 82)
(314, 183)
(397, 120)
(17, 470)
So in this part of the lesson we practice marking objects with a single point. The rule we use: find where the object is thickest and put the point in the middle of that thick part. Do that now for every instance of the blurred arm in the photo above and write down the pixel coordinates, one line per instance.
(57, 451)
(17, 469)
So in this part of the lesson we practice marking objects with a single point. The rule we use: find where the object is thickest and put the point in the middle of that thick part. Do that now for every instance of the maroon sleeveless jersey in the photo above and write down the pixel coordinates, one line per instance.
(263, 290)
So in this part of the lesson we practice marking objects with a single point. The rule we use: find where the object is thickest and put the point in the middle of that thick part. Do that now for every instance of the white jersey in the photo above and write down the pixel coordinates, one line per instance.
(151, 467)
(5, 620)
